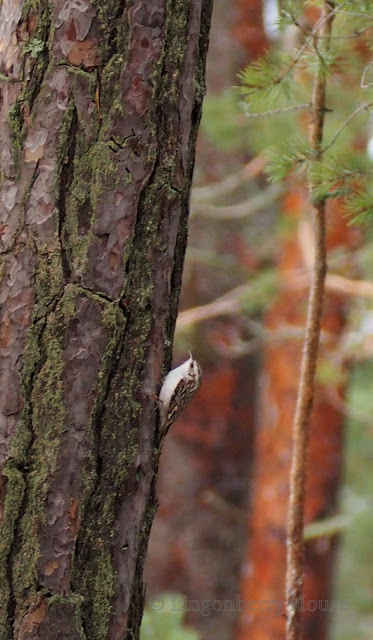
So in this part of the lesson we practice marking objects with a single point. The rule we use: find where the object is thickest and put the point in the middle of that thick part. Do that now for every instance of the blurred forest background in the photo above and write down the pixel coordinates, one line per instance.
(223, 485)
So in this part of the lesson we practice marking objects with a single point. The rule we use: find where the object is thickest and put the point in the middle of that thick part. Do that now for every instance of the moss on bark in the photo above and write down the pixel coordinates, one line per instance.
(100, 233)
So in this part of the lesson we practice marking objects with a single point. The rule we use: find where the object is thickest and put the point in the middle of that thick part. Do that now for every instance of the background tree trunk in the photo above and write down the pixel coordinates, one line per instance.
(264, 573)
(100, 105)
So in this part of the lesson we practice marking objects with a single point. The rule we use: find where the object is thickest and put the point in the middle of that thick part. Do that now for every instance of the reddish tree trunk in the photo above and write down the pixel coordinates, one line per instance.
(100, 104)
(249, 28)
(264, 572)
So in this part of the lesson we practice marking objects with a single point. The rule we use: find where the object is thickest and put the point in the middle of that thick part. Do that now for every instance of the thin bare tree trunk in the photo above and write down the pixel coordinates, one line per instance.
(307, 374)
(100, 104)
(263, 578)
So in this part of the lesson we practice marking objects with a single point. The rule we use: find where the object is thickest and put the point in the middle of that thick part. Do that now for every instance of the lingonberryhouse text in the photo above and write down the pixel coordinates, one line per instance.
(269, 607)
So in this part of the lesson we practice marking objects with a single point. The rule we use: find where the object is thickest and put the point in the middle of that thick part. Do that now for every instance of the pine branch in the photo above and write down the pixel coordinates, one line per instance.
(269, 77)
(276, 112)
(295, 543)
(328, 527)
(363, 107)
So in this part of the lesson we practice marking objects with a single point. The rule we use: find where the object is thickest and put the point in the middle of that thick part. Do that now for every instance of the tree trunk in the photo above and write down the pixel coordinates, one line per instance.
(100, 104)
(264, 574)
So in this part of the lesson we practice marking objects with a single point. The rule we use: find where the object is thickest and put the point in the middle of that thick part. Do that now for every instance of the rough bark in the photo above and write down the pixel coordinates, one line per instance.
(100, 104)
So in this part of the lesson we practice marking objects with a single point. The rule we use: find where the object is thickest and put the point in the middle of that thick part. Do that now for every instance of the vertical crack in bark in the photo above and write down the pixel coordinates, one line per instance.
(81, 554)
(98, 419)
(66, 178)
(24, 470)
(32, 79)
(96, 424)
(117, 21)
(130, 314)
(39, 63)
(136, 608)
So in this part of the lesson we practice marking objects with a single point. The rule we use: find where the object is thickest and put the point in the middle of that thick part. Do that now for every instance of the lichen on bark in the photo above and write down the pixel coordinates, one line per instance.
(100, 111)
